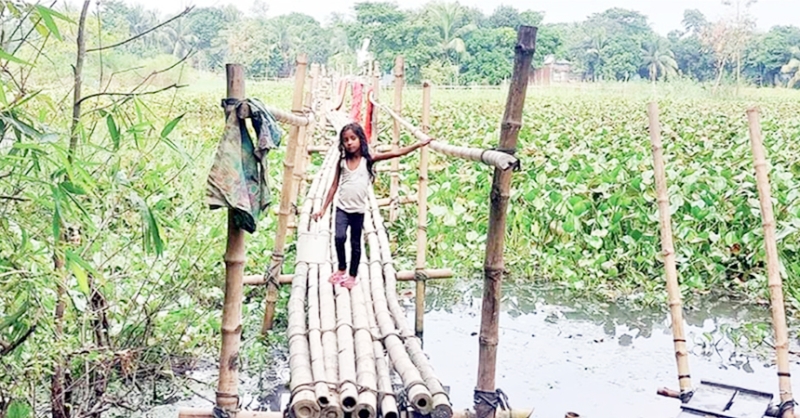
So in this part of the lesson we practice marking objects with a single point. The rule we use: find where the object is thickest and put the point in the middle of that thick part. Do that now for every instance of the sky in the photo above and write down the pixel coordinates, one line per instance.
(664, 15)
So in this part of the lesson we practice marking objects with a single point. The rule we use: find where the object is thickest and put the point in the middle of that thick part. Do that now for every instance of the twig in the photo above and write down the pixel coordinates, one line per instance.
(156, 72)
(133, 38)
(91, 96)
(14, 198)
(13, 346)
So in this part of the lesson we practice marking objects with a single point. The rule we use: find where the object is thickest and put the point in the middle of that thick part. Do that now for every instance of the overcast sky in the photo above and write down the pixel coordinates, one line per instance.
(664, 15)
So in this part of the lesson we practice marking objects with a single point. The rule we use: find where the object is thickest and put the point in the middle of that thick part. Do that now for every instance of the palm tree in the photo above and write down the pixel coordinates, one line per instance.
(593, 48)
(446, 18)
(659, 60)
(793, 67)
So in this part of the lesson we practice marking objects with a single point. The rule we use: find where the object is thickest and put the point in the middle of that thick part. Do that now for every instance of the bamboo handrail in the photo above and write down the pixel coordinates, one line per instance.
(496, 158)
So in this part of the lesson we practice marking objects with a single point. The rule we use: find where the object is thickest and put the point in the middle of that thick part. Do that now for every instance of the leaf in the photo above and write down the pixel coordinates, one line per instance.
(19, 409)
(80, 274)
(171, 125)
(6, 56)
(113, 130)
(72, 187)
(151, 234)
(47, 17)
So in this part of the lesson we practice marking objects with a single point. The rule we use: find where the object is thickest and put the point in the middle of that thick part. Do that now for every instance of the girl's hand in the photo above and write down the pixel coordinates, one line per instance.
(425, 142)
(316, 216)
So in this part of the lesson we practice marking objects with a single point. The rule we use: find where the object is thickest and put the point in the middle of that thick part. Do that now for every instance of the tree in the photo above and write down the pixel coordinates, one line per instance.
(531, 18)
(694, 21)
(742, 28)
(717, 38)
(490, 55)
(505, 17)
(658, 60)
(792, 68)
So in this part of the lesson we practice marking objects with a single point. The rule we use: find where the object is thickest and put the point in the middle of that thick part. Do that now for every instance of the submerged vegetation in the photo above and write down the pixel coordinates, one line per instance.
(111, 265)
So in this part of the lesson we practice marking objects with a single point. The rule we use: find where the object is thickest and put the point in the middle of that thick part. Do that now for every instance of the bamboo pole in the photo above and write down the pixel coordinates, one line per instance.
(404, 200)
(495, 242)
(376, 86)
(498, 159)
(398, 109)
(327, 308)
(430, 274)
(422, 215)
(441, 407)
(773, 264)
(301, 153)
(304, 401)
(321, 389)
(668, 250)
(367, 406)
(344, 338)
(418, 394)
(227, 396)
(286, 193)
(387, 402)
(209, 413)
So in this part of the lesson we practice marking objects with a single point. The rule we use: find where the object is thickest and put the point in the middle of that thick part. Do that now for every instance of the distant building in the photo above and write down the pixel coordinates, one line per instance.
(552, 71)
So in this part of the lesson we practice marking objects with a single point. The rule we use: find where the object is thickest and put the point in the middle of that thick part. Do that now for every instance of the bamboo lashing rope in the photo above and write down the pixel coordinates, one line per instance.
(668, 250)
(496, 158)
(773, 265)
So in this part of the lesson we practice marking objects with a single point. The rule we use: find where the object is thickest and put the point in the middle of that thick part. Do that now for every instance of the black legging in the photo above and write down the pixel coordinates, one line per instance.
(356, 223)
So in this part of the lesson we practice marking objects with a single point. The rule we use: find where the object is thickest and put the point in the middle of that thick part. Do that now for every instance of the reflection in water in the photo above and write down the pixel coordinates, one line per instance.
(559, 353)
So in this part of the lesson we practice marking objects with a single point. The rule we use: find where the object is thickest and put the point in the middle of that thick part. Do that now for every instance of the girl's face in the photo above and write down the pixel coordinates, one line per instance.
(351, 142)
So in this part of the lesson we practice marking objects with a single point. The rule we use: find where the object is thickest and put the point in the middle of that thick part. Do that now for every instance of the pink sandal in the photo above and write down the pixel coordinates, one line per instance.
(348, 282)
(336, 278)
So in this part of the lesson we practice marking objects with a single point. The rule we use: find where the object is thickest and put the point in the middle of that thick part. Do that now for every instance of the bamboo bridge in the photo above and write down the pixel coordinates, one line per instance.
(352, 352)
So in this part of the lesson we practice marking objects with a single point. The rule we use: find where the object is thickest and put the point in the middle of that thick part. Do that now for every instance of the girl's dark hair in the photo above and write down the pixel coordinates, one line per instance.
(362, 138)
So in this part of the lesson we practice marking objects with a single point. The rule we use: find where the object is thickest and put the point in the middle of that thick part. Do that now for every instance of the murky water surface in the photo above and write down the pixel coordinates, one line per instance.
(559, 354)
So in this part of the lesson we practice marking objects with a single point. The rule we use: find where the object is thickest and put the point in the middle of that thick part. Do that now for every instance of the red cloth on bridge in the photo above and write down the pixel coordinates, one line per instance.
(370, 117)
(355, 105)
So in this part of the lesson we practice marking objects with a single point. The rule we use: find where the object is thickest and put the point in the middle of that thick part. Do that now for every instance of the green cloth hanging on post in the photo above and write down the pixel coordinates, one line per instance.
(238, 177)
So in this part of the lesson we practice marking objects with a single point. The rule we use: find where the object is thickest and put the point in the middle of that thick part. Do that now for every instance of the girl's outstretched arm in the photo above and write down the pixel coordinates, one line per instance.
(400, 152)
(331, 194)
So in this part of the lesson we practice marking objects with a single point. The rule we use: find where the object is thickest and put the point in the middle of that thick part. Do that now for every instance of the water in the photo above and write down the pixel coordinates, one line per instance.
(559, 354)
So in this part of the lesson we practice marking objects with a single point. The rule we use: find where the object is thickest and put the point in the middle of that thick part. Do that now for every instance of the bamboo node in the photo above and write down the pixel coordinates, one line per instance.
(488, 341)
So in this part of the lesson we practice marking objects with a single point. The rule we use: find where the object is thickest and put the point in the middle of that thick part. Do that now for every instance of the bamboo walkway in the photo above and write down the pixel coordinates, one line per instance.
(341, 357)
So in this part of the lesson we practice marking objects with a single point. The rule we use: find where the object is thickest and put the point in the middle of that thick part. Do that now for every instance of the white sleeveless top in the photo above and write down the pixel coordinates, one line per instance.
(352, 194)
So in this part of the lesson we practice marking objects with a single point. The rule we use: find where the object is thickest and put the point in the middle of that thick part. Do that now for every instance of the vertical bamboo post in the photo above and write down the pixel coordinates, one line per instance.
(301, 155)
(668, 250)
(422, 214)
(376, 85)
(286, 193)
(227, 386)
(398, 108)
(773, 264)
(495, 242)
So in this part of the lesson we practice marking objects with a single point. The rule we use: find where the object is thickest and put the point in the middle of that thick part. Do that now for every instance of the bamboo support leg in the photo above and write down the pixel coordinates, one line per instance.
(285, 205)
(227, 397)
(668, 250)
(422, 214)
(773, 264)
(398, 108)
(495, 242)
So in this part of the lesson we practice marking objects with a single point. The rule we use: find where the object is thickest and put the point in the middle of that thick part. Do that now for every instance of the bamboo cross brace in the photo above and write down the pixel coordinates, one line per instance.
(773, 263)
(668, 251)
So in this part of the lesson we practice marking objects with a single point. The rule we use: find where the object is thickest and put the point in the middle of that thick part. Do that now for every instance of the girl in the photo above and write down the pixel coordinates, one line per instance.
(352, 179)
